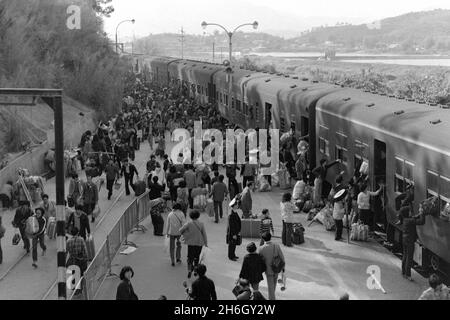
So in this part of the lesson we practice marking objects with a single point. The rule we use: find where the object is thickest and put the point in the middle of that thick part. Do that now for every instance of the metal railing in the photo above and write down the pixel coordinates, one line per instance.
(100, 267)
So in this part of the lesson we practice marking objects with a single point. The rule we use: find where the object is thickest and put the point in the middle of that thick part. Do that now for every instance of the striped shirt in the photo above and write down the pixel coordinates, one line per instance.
(266, 225)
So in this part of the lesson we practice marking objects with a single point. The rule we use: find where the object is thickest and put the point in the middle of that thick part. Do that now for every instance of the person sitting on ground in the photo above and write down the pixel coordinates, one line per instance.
(437, 290)
(6, 194)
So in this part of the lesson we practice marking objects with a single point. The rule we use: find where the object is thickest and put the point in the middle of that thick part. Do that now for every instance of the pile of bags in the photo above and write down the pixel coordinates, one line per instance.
(199, 198)
(360, 232)
(298, 233)
(325, 217)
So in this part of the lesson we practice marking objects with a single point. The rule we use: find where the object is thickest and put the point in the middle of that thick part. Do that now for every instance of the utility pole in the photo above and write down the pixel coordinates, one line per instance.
(182, 42)
(214, 51)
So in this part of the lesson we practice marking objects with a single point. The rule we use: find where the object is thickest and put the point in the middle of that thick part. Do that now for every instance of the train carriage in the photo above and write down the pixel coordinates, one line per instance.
(159, 69)
(405, 143)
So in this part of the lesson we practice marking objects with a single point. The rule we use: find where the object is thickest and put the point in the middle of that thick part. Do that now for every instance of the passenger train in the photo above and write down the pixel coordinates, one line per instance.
(405, 142)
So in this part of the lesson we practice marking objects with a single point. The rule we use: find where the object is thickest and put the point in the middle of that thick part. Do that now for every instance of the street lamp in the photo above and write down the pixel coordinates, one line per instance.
(132, 21)
(230, 34)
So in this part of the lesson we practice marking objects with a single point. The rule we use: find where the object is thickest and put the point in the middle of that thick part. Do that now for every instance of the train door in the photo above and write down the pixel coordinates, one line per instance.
(379, 174)
(268, 116)
(304, 127)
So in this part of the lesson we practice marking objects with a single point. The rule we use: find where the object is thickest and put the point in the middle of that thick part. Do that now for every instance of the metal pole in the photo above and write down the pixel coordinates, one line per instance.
(214, 45)
(60, 207)
(116, 40)
(230, 35)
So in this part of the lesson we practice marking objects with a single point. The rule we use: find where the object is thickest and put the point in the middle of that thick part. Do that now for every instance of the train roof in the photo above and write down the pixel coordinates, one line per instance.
(418, 123)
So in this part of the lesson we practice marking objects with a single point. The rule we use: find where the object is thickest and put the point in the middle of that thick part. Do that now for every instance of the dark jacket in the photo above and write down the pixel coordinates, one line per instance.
(409, 227)
(155, 191)
(322, 171)
(112, 172)
(85, 228)
(131, 173)
(125, 291)
(234, 225)
(90, 193)
(21, 216)
(203, 289)
(253, 267)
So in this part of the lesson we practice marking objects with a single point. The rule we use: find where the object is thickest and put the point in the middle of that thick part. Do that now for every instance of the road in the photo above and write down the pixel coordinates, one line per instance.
(19, 280)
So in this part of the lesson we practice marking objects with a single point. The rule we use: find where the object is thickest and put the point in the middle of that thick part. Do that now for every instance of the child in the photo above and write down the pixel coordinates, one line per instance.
(266, 224)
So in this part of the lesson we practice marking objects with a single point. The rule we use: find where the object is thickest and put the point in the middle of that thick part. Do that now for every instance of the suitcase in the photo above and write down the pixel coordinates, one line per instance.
(139, 188)
(90, 246)
(51, 228)
(298, 237)
(210, 207)
(250, 228)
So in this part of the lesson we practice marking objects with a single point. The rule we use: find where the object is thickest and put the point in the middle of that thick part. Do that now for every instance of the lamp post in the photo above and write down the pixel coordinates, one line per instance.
(230, 34)
(132, 21)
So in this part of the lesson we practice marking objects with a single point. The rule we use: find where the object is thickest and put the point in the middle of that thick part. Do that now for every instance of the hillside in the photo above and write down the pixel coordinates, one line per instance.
(38, 50)
(423, 32)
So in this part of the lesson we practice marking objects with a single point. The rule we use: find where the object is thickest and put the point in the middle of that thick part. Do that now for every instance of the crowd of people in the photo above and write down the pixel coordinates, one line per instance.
(146, 116)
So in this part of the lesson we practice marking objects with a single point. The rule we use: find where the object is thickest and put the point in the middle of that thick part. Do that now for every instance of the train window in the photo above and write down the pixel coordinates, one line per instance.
(226, 99)
(341, 154)
(238, 105)
(438, 186)
(245, 109)
(282, 124)
(324, 146)
(198, 88)
(341, 139)
(404, 174)
(233, 106)
(256, 110)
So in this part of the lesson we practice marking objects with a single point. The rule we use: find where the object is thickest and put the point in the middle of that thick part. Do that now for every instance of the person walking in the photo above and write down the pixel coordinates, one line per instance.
(271, 252)
(248, 172)
(90, 198)
(409, 226)
(112, 175)
(80, 220)
(233, 230)
(159, 172)
(76, 188)
(128, 171)
(77, 251)
(19, 221)
(233, 186)
(175, 220)
(218, 193)
(436, 291)
(39, 237)
(156, 189)
(183, 196)
(266, 224)
(125, 290)
(49, 207)
(253, 267)
(203, 288)
(190, 178)
(194, 234)
(287, 209)
(246, 200)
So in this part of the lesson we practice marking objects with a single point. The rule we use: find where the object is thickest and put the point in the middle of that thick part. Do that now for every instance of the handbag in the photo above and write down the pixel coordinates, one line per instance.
(237, 289)
(277, 263)
(16, 239)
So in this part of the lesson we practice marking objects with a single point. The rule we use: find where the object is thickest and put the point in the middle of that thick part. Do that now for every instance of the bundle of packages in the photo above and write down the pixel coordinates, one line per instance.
(359, 232)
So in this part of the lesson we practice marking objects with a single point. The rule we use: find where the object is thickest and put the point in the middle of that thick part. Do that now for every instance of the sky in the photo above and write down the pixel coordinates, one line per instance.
(280, 17)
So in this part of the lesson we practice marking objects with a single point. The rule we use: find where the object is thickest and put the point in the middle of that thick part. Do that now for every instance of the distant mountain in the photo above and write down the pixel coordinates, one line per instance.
(426, 31)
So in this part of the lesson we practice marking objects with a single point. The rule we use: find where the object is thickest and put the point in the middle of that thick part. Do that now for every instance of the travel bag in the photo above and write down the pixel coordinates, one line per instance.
(51, 228)
(90, 246)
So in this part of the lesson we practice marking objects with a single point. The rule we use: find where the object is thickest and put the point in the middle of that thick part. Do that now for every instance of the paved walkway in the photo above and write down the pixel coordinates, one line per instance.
(22, 281)
(321, 268)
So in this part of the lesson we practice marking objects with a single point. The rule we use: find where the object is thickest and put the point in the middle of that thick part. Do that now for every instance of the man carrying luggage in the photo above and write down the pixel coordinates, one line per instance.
(39, 236)
(20, 218)
(112, 174)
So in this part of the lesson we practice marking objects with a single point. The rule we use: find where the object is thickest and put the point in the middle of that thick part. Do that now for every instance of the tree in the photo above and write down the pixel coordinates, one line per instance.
(103, 7)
